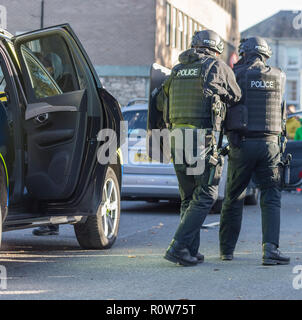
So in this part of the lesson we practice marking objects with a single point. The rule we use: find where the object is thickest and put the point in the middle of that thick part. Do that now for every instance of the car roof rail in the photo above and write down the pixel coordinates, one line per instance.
(135, 101)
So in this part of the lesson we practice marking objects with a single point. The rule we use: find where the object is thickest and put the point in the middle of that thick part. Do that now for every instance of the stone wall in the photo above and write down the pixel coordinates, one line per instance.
(125, 89)
(113, 32)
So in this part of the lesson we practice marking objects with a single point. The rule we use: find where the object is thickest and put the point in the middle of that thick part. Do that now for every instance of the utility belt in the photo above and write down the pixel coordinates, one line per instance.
(285, 171)
(237, 123)
(235, 138)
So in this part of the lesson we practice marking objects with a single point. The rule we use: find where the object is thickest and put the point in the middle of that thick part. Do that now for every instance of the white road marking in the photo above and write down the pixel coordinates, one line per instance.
(211, 225)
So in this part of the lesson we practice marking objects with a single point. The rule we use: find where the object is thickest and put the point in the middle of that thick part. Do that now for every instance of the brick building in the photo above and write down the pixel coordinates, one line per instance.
(124, 37)
(286, 41)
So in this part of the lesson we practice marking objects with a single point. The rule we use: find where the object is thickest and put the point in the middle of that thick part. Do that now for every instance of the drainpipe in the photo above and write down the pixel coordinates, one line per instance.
(42, 14)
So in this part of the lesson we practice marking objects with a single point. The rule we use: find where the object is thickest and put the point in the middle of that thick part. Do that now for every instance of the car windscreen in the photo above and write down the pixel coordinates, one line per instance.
(137, 121)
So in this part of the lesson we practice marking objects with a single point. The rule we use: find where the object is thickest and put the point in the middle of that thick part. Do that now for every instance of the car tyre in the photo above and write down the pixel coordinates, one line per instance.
(99, 232)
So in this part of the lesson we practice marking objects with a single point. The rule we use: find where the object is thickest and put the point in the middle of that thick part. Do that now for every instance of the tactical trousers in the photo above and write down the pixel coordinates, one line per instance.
(260, 158)
(197, 199)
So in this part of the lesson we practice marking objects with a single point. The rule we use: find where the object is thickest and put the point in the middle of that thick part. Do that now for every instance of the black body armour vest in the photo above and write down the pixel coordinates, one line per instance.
(260, 111)
(262, 92)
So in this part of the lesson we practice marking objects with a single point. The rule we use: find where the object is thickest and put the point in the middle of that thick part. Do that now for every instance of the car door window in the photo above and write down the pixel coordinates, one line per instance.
(4, 95)
(50, 66)
(4, 124)
(41, 81)
(137, 121)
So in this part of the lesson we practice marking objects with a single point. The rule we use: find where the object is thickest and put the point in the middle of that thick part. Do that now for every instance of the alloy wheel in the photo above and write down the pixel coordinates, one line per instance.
(109, 208)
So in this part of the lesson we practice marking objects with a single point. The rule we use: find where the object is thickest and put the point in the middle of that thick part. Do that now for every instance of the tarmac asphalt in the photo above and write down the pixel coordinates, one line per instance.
(57, 268)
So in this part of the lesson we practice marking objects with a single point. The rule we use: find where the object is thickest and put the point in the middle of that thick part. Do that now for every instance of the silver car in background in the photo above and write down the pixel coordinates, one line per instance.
(154, 181)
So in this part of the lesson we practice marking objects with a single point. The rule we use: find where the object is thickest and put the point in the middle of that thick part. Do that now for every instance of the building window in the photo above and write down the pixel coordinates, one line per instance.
(292, 92)
(195, 26)
(180, 30)
(174, 36)
(186, 31)
(191, 31)
(293, 60)
(168, 25)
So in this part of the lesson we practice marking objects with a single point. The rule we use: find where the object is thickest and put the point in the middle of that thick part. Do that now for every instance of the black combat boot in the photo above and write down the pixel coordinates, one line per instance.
(200, 257)
(226, 257)
(178, 253)
(272, 256)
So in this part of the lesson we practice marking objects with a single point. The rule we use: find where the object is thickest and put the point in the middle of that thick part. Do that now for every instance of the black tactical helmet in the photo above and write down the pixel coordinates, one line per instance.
(208, 39)
(255, 45)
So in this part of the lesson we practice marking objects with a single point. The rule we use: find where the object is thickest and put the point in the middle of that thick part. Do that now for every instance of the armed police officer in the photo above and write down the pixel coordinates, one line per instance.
(198, 77)
(254, 129)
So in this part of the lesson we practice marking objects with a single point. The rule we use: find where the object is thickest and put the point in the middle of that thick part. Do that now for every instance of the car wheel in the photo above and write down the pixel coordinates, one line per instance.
(252, 200)
(3, 199)
(100, 231)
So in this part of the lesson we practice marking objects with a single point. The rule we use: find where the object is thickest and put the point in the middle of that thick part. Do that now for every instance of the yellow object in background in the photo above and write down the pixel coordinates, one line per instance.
(292, 125)
(3, 96)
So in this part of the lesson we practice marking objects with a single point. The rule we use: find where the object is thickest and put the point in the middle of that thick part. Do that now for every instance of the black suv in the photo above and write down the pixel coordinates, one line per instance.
(52, 109)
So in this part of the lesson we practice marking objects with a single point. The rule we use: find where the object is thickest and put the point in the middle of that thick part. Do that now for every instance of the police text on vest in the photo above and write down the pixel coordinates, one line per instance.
(263, 84)
(188, 72)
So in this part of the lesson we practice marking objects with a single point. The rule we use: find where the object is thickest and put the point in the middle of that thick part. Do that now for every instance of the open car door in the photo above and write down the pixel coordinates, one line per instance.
(158, 74)
(62, 97)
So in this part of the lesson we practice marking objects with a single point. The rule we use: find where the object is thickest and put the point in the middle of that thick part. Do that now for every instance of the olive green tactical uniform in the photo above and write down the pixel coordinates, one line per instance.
(255, 152)
(189, 91)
